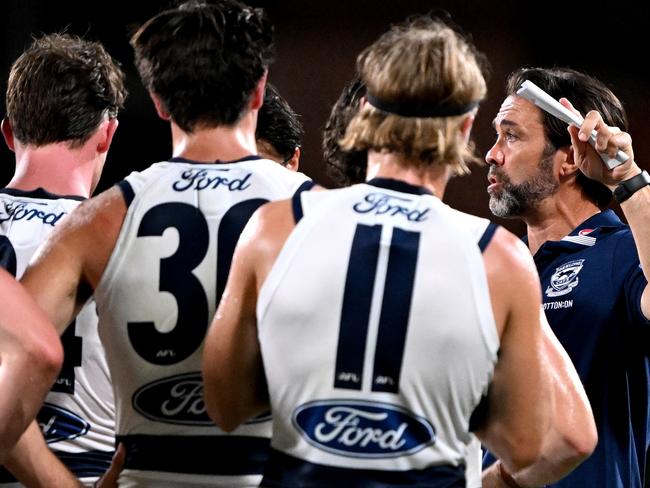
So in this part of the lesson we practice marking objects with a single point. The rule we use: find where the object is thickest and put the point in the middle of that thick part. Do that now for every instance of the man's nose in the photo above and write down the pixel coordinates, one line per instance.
(494, 156)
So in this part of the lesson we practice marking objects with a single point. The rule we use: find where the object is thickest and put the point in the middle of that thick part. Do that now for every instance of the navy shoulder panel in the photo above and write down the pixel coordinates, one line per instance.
(127, 191)
(487, 236)
(7, 255)
(296, 205)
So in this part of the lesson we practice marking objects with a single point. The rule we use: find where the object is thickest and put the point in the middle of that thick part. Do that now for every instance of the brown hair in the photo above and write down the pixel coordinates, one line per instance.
(204, 59)
(60, 89)
(585, 93)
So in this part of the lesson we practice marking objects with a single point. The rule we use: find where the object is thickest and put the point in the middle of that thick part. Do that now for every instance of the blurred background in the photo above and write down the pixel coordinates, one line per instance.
(317, 44)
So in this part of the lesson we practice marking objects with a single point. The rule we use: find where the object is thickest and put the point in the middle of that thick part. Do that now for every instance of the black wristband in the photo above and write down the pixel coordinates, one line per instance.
(627, 188)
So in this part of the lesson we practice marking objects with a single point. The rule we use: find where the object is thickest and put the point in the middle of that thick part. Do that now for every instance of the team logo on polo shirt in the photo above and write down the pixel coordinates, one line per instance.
(565, 278)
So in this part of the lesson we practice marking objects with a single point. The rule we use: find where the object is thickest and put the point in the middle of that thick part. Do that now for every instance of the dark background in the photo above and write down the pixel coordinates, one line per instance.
(317, 43)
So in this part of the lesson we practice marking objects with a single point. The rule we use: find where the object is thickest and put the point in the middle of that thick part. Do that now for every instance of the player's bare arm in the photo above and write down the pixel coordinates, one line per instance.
(518, 414)
(561, 438)
(232, 355)
(30, 453)
(67, 267)
(30, 359)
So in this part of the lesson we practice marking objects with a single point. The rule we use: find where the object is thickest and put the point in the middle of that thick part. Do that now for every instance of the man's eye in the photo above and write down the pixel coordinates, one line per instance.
(509, 136)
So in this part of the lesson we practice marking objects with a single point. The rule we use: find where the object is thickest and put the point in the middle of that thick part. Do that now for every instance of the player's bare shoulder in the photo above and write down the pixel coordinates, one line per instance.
(87, 236)
(508, 255)
(511, 273)
(264, 235)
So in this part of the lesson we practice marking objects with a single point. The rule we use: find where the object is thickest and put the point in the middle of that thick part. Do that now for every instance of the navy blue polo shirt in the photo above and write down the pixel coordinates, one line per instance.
(591, 285)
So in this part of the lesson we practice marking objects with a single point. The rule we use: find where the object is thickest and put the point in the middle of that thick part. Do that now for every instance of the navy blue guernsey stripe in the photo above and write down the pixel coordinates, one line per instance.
(41, 193)
(305, 186)
(479, 415)
(208, 455)
(284, 471)
(6, 476)
(398, 185)
(355, 313)
(487, 236)
(230, 228)
(86, 464)
(395, 310)
(8, 256)
(252, 157)
(296, 205)
(127, 191)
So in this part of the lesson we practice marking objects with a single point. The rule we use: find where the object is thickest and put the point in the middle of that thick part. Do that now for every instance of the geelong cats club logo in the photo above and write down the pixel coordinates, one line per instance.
(565, 278)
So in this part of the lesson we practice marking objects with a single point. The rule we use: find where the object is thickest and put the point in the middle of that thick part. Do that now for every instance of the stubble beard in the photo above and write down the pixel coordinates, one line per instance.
(515, 201)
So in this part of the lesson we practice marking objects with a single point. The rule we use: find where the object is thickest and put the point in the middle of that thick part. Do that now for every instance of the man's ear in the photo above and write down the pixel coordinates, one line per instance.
(567, 166)
(257, 98)
(161, 110)
(466, 126)
(294, 162)
(8, 133)
(107, 131)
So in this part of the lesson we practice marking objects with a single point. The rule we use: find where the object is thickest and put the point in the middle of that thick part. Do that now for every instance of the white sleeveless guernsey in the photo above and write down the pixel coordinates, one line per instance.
(78, 416)
(378, 339)
(155, 300)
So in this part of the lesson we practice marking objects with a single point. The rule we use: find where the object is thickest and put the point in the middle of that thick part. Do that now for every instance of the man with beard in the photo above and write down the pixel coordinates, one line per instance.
(369, 318)
(590, 264)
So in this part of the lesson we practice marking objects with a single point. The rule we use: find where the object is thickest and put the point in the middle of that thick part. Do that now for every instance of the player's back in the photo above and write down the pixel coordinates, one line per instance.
(378, 339)
(78, 416)
(155, 300)
(26, 219)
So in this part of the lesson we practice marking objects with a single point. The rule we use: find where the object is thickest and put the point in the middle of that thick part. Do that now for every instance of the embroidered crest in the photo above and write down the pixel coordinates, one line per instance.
(565, 278)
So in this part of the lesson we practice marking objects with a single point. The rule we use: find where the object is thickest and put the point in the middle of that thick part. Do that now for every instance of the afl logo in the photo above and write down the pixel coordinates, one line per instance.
(59, 424)
(565, 278)
(362, 429)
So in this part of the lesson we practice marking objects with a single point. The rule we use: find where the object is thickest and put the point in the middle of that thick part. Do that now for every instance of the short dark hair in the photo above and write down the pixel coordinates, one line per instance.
(60, 89)
(204, 59)
(278, 124)
(585, 93)
(344, 167)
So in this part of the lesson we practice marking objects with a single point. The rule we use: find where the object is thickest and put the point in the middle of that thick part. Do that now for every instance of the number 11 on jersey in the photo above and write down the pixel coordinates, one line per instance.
(394, 314)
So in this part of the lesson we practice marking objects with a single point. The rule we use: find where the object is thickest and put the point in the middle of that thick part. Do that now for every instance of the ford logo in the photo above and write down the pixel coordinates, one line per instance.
(362, 429)
(59, 424)
(174, 400)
